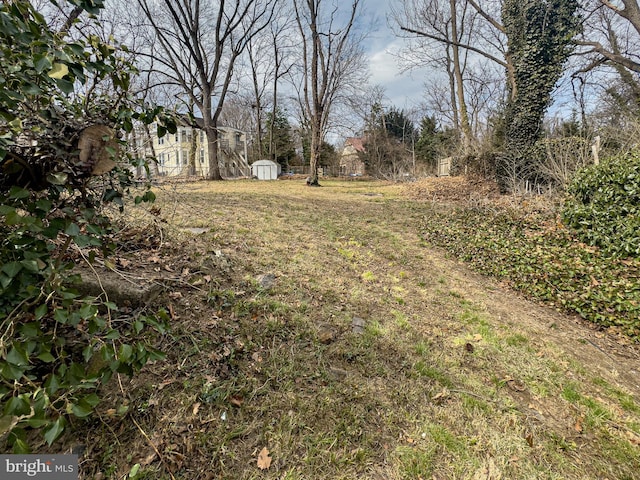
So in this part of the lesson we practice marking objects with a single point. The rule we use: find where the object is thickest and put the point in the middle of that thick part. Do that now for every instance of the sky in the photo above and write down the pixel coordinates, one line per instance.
(404, 90)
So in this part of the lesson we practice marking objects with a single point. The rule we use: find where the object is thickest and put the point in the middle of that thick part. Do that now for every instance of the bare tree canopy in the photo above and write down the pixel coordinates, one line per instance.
(195, 46)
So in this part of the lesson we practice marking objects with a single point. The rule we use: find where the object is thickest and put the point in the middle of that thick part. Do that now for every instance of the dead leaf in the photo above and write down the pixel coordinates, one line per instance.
(264, 460)
(438, 398)
(196, 408)
(578, 426)
(515, 385)
(148, 459)
(124, 262)
(160, 386)
(477, 337)
(633, 438)
(256, 357)
(529, 439)
(236, 401)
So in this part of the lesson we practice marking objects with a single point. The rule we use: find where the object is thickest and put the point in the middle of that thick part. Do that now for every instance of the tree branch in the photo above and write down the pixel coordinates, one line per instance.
(457, 44)
(616, 58)
(497, 25)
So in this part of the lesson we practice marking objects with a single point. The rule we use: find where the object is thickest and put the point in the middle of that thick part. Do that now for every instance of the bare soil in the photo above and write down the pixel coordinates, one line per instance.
(317, 336)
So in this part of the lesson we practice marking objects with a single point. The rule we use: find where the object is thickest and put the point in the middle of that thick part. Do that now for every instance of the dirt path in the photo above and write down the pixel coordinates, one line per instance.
(373, 355)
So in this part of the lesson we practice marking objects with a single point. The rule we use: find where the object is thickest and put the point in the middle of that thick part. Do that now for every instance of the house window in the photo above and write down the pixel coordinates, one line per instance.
(201, 136)
(184, 157)
(161, 159)
(184, 136)
(160, 140)
(202, 155)
(175, 137)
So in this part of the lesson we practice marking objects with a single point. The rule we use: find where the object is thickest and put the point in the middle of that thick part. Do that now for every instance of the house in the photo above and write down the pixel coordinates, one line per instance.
(351, 163)
(173, 151)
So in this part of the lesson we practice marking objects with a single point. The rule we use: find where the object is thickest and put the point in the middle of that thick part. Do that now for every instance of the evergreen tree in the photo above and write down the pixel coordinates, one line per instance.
(428, 142)
(277, 143)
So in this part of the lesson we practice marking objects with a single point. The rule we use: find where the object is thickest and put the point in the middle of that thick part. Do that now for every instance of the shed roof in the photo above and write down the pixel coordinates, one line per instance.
(264, 163)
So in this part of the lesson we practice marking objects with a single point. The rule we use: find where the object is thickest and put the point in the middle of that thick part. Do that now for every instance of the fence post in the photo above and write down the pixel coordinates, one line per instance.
(595, 148)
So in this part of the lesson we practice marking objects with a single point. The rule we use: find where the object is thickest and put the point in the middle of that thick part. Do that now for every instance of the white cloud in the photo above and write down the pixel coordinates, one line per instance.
(404, 89)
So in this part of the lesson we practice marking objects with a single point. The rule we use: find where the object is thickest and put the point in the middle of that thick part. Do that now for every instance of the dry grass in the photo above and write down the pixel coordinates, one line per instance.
(448, 375)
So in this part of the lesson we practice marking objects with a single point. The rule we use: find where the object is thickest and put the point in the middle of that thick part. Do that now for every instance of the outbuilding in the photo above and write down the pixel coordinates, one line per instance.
(264, 170)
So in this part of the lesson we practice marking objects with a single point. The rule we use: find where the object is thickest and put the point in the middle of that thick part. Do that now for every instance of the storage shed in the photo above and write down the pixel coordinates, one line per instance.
(264, 170)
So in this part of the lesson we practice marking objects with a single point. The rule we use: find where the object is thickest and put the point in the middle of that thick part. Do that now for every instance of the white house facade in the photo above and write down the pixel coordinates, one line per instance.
(173, 152)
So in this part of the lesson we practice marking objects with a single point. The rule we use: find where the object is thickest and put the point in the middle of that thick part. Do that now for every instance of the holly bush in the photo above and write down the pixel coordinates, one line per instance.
(603, 206)
(58, 347)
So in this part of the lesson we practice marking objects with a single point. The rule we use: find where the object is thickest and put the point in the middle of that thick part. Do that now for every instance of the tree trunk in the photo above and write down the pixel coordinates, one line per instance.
(452, 92)
(193, 152)
(155, 171)
(314, 157)
(212, 149)
(457, 71)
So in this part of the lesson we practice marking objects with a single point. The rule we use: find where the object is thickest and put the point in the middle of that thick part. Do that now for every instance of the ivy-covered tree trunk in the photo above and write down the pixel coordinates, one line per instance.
(539, 35)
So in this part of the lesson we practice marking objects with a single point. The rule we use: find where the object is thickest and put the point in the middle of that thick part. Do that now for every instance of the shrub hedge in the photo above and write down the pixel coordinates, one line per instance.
(603, 206)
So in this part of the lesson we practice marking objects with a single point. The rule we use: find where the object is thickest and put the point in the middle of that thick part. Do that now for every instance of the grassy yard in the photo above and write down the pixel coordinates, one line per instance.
(316, 335)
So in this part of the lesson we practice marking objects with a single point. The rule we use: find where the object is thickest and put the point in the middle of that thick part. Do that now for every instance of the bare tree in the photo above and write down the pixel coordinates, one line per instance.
(453, 36)
(197, 44)
(608, 23)
(269, 57)
(331, 62)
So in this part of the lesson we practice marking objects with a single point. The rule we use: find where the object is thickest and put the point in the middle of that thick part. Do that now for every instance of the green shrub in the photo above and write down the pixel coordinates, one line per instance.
(57, 347)
(603, 206)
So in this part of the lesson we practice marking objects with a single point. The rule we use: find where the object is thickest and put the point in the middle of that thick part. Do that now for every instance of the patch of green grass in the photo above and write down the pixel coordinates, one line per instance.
(596, 413)
(374, 329)
(443, 437)
(422, 348)
(415, 462)
(347, 253)
(471, 317)
(429, 371)
(570, 393)
(401, 319)
(368, 276)
(516, 340)
(627, 402)
(476, 405)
